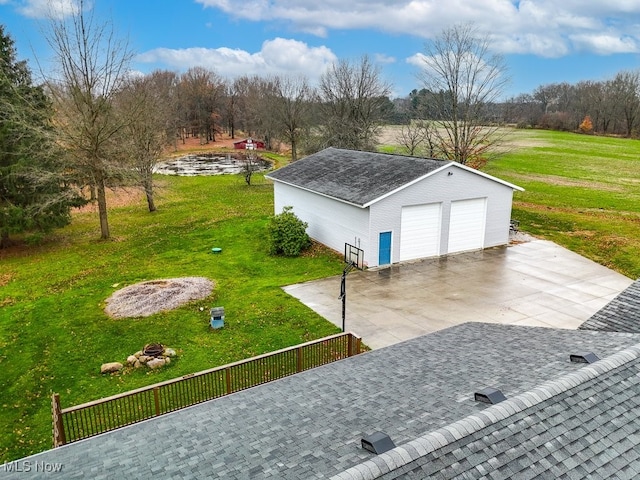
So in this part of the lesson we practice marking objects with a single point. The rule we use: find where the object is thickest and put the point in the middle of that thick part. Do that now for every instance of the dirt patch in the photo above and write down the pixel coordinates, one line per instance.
(512, 139)
(116, 197)
(146, 298)
(568, 182)
(195, 144)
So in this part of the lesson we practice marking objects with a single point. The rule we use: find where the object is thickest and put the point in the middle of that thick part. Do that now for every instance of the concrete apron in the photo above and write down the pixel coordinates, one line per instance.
(533, 283)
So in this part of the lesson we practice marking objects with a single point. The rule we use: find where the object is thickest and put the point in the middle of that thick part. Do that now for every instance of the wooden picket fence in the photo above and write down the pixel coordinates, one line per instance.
(99, 416)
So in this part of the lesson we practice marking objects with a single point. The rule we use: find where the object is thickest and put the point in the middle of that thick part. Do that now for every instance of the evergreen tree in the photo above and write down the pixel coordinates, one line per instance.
(34, 194)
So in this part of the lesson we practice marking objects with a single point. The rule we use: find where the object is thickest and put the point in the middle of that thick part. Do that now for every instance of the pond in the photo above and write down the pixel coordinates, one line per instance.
(209, 164)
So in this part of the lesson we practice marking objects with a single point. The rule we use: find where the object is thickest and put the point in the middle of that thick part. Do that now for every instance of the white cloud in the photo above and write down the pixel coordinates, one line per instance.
(277, 56)
(48, 8)
(548, 28)
(606, 44)
(383, 59)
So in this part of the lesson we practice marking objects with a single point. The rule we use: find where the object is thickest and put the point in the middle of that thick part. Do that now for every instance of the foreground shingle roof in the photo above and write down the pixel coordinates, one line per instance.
(583, 425)
(310, 425)
(354, 176)
(622, 314)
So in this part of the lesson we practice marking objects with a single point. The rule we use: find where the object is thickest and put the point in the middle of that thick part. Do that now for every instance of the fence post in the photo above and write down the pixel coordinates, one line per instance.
(156, 398)
(58, 426)
(349, 345)
(299, 360)
(227, 372)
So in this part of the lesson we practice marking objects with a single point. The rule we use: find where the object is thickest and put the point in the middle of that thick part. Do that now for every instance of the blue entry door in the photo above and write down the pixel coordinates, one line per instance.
(384, 248)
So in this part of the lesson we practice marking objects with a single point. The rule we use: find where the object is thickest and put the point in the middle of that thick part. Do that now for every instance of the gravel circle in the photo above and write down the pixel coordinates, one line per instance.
(146, 298)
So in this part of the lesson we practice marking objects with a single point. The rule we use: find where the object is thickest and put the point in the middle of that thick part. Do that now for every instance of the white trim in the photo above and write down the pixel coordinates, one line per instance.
(437, 170)
(408, 184)
(486, 175)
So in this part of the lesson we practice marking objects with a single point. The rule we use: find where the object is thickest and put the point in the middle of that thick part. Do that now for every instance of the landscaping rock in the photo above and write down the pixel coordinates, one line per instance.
(156, 363)
(132, 359)
(169, 352)
(111, 367)
(144, 358)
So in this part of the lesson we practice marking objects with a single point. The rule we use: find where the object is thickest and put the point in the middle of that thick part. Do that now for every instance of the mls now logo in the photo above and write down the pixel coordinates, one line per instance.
(32, 466)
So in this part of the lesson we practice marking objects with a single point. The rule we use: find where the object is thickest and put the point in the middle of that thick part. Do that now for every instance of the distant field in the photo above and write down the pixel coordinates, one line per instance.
(582, 192)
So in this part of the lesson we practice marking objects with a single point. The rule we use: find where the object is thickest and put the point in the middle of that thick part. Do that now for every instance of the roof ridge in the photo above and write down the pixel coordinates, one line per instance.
(432, 441)
(388, 154)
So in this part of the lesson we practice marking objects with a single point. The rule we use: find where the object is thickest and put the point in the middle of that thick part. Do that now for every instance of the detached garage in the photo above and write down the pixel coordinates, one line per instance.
(395, 208)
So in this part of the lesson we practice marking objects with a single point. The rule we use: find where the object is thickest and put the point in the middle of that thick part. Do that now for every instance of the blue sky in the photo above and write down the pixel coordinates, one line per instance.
(543, 41)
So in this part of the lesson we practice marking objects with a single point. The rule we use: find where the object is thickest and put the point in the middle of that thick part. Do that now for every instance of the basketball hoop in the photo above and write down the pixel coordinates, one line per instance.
(354, 258)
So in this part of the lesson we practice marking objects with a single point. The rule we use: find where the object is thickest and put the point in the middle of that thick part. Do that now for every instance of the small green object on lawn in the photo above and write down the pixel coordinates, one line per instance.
(216, 250)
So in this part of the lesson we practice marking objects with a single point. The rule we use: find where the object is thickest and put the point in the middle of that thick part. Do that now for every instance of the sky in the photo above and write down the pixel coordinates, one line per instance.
(542, 41)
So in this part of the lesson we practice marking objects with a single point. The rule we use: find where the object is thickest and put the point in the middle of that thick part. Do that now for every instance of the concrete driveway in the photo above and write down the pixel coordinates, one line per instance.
(534, 283)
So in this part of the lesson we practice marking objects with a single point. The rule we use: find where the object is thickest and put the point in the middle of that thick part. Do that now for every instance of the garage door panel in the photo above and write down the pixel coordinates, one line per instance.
(420, 231)
(467, 225)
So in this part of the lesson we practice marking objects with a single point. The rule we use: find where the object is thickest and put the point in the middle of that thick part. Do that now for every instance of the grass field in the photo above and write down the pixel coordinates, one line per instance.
(582, 192)
(54, 334)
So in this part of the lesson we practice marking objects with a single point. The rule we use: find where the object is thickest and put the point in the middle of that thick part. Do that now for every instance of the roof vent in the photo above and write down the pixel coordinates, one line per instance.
(489, 395)
(585, 357)
(377, 442)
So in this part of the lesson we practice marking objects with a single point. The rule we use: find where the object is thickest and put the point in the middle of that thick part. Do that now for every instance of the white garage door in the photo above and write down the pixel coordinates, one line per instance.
(420, 231)
(466, 227)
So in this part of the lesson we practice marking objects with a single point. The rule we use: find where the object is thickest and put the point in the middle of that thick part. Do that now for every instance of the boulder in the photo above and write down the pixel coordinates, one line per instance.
(110, 367)
(131, 359)
(144, 358)
(169, 352)
(156, 363)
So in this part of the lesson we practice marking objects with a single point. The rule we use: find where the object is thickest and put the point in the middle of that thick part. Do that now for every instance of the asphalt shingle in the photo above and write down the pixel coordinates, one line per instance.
(615, 384)
(310, 425)
(354, 176)
(622, 314)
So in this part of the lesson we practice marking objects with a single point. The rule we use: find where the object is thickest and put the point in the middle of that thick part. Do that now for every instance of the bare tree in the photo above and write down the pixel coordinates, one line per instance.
(352, 98)
(291, 109)
(625, 89)
(93, 65)
(202, 91)
(145, 137)
(414, 135)
(466, 78)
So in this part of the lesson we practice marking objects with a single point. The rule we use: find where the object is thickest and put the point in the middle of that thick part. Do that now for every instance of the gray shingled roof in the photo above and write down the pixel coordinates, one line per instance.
(582, 425)
(310, 425)
(622, 314)
(353, 176)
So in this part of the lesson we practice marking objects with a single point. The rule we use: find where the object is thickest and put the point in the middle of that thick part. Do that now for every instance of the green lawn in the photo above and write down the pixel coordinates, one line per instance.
(54, 334)
(582, 192)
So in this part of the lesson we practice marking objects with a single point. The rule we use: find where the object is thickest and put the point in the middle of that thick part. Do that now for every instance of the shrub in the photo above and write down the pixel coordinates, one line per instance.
(586, 126)
(287, 234)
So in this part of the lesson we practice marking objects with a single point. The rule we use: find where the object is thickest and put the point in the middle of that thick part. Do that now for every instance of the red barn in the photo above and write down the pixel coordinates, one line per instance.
(248, 144)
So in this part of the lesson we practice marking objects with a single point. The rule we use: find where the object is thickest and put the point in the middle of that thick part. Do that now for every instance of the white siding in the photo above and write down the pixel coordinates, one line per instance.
(331, 222)
(443, 188)
(420, 231)
(335, 223)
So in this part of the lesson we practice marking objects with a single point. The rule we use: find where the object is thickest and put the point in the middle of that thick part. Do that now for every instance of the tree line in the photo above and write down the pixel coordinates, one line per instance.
(92, 125)
(613, 106)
